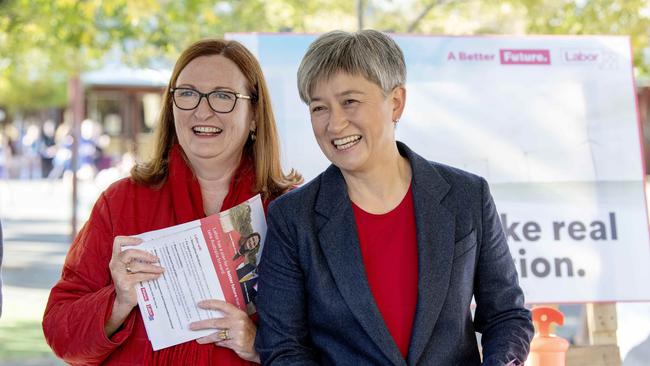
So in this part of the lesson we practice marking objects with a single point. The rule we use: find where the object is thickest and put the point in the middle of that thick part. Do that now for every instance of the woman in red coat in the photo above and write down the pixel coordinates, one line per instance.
(216, 146)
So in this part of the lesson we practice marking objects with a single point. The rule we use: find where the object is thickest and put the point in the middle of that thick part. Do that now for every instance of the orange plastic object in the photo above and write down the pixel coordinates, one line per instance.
(547, 349)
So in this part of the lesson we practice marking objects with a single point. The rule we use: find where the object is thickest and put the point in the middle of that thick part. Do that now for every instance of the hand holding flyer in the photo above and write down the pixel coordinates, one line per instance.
(212, 258)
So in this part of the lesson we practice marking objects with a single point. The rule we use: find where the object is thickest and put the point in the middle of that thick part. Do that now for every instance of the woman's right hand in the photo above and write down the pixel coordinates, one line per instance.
(128, 267)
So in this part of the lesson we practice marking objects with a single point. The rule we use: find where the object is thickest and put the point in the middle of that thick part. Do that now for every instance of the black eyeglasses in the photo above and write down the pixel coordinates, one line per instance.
(220, 101)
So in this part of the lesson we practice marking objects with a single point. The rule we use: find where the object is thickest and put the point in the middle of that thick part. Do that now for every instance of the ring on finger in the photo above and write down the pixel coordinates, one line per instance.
(223, 335)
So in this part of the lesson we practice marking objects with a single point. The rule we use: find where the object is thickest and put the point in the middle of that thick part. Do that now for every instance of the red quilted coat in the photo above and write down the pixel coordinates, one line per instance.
(81, 302)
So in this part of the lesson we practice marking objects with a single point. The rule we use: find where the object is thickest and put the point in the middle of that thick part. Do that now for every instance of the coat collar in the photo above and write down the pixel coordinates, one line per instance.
(435, 235)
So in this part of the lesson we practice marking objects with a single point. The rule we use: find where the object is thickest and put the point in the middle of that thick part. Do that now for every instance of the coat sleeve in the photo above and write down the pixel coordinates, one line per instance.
(82, 300)
(283, 334)
(500, 316)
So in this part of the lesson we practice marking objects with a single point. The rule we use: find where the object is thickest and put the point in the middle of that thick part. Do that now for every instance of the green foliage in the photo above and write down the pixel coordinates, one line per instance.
(44, 42)
(574, 17)
(612, 17)
(41, 44)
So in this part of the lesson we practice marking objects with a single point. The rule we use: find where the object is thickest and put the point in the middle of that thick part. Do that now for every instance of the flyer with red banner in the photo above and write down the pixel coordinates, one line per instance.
(212, 258)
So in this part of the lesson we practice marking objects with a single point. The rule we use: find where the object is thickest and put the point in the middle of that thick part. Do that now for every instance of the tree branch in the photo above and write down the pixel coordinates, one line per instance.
(426, 11)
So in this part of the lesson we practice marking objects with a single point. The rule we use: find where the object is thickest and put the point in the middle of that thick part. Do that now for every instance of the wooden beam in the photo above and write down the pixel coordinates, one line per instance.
(602, 324)
(603, 348)
(606, 355)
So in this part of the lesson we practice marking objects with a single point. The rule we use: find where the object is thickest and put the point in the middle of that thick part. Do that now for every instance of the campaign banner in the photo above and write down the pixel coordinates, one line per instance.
(549, 121)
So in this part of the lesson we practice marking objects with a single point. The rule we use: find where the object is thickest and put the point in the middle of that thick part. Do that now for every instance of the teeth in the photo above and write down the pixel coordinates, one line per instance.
(206, 129)
(346, 142)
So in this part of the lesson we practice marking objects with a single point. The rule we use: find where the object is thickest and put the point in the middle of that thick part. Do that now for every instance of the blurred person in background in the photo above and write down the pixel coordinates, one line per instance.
(12, 135)
(376, 260)
(216, 146)
(31, 162)
(5, 156)
(103, 160)
(47, 148)
(63, 155)
(122, 168)
(88, 149)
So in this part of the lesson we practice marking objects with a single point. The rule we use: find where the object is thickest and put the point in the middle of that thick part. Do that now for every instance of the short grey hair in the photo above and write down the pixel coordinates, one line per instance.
(367, 53)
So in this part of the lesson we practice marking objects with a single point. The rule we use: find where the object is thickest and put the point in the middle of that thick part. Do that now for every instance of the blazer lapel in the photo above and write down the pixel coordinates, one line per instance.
(340, 244)
(435, 235)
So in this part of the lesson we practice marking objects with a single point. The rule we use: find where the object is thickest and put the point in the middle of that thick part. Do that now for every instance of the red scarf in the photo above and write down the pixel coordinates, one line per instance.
(187, 198)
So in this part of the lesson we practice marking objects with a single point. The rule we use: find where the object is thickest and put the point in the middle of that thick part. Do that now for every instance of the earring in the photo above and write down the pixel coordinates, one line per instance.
(253, 136)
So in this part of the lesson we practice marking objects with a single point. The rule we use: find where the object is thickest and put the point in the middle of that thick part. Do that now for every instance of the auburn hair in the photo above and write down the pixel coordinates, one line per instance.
(264, 151)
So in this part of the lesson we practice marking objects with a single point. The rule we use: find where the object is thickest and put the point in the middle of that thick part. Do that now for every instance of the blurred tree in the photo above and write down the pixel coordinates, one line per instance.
(617, 17)
(578, 17)
(44, 42)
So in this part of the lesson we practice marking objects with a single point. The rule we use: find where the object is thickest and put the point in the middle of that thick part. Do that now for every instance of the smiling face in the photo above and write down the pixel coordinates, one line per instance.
(202, 132)
(252, 242)
(353, 122)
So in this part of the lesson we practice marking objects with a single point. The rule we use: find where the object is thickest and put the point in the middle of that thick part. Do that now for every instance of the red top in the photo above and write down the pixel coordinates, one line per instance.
(390, 256)
(82, 300)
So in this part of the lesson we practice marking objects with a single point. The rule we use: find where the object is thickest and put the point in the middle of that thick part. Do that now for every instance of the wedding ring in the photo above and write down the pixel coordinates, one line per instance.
(223, 335)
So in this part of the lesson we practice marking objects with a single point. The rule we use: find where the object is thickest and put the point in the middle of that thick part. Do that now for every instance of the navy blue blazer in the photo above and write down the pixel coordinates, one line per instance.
(316, 307)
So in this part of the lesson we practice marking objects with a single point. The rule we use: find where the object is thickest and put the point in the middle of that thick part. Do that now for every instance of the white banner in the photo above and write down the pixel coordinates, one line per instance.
(550, 122)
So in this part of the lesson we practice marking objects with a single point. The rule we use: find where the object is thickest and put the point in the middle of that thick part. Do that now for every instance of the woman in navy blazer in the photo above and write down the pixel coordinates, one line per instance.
(325, 295)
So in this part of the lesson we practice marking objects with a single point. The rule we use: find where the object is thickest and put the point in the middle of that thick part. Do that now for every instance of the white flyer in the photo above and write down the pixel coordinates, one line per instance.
(212, 258)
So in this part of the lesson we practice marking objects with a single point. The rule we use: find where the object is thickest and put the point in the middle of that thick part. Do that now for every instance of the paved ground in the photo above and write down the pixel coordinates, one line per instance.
(35, 218)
